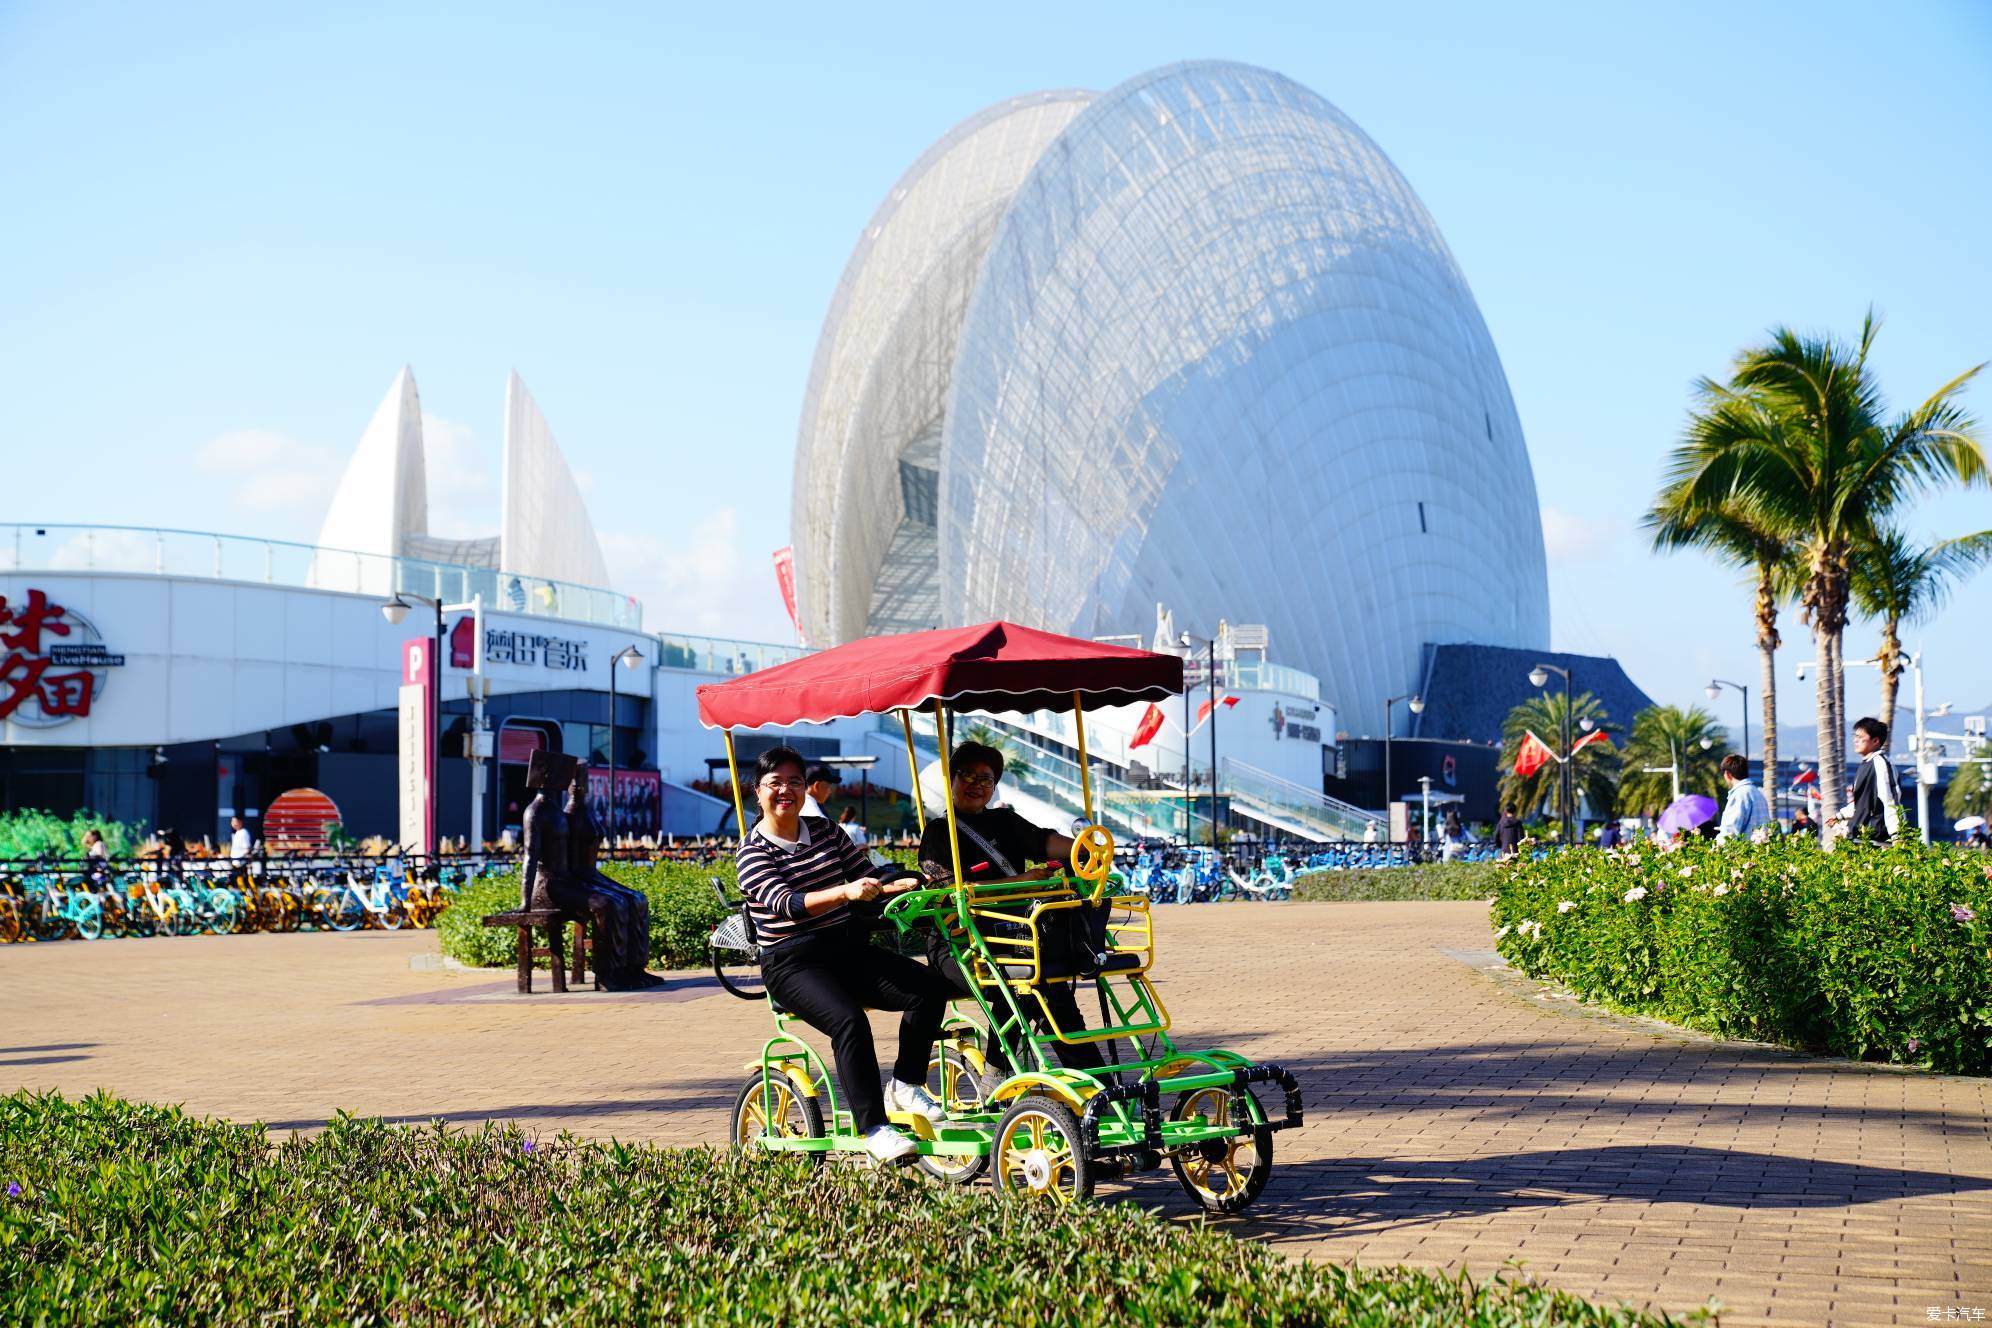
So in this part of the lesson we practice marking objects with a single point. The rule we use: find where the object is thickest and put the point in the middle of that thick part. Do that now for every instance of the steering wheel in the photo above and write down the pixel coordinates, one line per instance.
(1093, 857)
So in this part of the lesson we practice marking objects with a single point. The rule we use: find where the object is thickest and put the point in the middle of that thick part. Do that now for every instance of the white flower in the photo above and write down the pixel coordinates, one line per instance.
(1503, 933)
(1634, 895)
(1688, 870)
(1566, 906)
(1530, 928)
(1721, 890)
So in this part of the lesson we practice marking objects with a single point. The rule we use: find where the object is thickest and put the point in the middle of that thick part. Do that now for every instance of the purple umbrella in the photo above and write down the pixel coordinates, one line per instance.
(1686, 812)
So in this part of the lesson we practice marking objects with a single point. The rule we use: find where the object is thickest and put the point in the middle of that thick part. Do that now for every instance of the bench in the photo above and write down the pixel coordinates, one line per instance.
(554, 921)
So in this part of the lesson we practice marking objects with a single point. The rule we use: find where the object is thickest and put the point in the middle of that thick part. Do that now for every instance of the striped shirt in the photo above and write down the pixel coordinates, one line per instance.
(775, 878)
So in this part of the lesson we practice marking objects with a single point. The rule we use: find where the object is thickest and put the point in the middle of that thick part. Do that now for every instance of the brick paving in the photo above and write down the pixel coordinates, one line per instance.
(1457, 1116)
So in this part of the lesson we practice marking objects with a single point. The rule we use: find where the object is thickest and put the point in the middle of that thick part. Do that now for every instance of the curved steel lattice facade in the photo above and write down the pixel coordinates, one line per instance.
(1213, 353)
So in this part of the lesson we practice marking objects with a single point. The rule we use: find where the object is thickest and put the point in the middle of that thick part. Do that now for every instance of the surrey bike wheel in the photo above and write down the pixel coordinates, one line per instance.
(1038, 1152)
(1222, 1175)
(736, 961)
(781, 1110)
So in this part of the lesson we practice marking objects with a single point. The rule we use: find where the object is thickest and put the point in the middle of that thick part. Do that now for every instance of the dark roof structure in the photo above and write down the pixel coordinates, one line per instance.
(1470, 689)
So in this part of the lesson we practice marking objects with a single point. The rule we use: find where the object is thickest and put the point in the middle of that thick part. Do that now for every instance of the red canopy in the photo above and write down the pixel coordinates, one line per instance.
(995, 666)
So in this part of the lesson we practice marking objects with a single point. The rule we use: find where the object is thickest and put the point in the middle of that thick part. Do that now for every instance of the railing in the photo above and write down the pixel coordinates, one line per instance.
(26, 547)
(1318, 811)
(714, 654)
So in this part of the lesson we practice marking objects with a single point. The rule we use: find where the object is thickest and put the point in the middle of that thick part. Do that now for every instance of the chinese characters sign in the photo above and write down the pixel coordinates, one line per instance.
(54, 662)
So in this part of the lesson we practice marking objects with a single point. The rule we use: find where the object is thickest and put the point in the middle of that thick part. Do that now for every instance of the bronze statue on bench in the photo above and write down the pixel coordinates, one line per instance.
(626, 948)
(560, 874)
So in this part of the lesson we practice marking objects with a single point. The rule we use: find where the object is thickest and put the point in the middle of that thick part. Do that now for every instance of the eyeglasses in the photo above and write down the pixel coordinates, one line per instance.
(976, 781)
(777, 785)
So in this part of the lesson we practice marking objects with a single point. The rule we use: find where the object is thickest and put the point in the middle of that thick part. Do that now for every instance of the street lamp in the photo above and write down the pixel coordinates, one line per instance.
(1417, 708)
(1538, 676)
(629, 657)
(1714, 690)
(1211, 644)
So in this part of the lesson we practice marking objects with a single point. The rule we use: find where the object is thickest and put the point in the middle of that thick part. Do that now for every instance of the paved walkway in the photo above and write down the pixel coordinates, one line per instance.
(1455, 1117)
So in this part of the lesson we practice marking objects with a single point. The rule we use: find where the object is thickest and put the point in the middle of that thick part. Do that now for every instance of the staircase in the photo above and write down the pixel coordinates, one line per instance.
(1292, 807)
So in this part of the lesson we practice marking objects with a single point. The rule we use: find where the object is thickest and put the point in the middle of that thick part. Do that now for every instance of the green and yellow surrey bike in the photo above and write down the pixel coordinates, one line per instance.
(1044, 1128)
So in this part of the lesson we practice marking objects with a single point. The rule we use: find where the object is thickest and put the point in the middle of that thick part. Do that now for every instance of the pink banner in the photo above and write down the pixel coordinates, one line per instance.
(785, 578)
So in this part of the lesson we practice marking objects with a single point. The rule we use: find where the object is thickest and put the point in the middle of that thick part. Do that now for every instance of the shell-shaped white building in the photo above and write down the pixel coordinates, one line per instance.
(1191, 342)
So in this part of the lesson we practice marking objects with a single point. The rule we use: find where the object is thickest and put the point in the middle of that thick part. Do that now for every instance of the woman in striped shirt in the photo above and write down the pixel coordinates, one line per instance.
(800, 876)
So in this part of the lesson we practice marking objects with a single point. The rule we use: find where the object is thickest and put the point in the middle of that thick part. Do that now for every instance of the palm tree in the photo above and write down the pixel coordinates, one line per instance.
(1597, 764)
(1896, 582)
(1799, 435)
(1663, 736)
(1740, 537)
(1970, 791)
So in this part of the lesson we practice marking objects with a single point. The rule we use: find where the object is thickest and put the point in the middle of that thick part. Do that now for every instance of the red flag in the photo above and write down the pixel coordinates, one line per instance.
(1533, 754)
(1806, 777)
(1595, 735)
(1150, 725)
(785, 578)
(1203, 710)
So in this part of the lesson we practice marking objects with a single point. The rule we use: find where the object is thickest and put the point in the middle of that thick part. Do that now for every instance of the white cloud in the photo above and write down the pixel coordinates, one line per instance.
(702, 581)
(271, 473)
(1572, 537)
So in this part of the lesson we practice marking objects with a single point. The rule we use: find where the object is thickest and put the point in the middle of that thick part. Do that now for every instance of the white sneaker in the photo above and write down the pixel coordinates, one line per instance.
(914, 1098)
(887, 1144)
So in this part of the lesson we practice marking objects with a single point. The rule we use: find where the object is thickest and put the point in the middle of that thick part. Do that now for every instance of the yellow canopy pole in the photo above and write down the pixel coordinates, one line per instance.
(913, 768)
(1085, 770)
(947, 785)
(733, 770)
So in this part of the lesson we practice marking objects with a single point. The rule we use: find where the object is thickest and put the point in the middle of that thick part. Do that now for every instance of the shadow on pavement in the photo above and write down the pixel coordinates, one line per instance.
(1355, 1195)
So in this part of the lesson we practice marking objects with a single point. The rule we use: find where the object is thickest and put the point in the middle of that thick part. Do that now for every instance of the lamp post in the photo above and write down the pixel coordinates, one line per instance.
(395, 610)
(1210, 644)
(1538, 676)
(1425, 811)
(1714, 690)
(1417, 708)
(628, 657)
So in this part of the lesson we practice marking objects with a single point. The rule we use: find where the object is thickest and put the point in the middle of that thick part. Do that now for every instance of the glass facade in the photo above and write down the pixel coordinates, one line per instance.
(1193, 341)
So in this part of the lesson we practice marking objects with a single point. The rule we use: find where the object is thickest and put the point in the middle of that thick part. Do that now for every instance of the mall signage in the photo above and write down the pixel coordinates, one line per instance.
(1296, 722)
(55, 664)
(503, 646)
(417, 743)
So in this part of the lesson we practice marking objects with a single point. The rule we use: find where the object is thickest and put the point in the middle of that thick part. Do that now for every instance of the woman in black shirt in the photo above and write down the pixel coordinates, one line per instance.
(801, 876)
(996, 843)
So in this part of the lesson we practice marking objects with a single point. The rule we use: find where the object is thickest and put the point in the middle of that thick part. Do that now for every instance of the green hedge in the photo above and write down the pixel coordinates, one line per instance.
(34, 834)
(1425, 880)
(124, 1214)
(683, 912)
(1868, 952)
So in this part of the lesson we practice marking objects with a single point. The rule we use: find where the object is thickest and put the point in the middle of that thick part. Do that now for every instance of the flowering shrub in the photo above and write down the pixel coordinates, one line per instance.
(1868, 952)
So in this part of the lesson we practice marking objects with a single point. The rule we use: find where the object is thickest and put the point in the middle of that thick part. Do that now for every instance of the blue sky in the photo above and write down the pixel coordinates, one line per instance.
(227, 227)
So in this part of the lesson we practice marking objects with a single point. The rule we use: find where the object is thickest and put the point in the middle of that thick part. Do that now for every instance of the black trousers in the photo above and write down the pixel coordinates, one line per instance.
(1053, 1001)
(830, 978)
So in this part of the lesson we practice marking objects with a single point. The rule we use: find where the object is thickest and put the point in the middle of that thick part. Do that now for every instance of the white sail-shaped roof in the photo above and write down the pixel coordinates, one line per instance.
(382, 497)
(544, 530)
